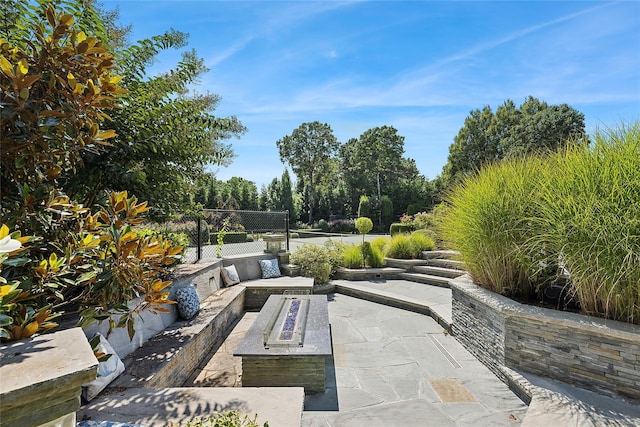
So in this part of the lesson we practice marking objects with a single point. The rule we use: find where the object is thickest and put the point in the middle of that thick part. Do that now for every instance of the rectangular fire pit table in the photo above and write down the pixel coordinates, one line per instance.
(288, 344)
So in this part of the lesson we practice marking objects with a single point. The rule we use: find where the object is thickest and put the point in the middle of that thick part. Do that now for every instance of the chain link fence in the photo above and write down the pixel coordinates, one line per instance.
(218, 232)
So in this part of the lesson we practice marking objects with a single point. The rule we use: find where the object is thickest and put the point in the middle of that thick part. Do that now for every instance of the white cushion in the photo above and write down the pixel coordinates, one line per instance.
(230, 275)
(107, 370)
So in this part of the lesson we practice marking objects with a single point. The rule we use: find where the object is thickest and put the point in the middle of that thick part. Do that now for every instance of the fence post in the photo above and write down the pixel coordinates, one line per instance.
(199, 240)
(286, 226)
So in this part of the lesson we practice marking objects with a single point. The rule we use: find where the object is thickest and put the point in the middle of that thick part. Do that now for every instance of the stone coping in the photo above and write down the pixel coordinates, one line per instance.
(368, 273)
(41, 377)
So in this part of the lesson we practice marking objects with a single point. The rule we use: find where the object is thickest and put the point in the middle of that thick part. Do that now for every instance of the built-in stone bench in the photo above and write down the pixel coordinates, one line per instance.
(167, 358)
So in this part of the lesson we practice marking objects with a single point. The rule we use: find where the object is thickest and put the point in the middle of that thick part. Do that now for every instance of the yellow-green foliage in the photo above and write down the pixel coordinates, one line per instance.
(375, 257)
(352, 256)
(421, 241)
(578, 208)
(484, 221)
(399, 247)
(590, 216)
(380, 244)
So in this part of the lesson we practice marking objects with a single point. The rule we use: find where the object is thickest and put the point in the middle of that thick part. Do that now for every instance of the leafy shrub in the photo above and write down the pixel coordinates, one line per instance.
(314, 261)
(323, 225)
(352, 256)
(400, 247)
(364, 225)
(423, 220)
(398, 227)
(342, 226)
(222, 419)
(420, 242)
(176, 239)
(294, 235)
(364, 207)
(106, 264)
(231, 237)
(190, 228)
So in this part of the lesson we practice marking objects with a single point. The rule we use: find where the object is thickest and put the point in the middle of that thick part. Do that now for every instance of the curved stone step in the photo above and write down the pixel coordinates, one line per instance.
(438, 271)
(446, 263)
(427, 279)
(443, 254)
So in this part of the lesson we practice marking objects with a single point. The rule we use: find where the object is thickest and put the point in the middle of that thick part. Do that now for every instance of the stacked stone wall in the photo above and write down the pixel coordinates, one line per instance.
(591, 353)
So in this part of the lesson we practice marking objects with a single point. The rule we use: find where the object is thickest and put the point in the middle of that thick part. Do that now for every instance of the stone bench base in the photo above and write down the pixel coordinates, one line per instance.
(169, 357)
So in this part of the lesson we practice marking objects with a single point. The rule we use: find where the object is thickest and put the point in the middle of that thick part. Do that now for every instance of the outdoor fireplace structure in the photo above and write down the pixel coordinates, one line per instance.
(288, 344)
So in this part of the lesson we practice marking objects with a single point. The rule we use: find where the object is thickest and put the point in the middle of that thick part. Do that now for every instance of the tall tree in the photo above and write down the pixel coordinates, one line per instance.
(307, 150)
(286, 195)
(511, 131)
(373, 162)
(166, 135)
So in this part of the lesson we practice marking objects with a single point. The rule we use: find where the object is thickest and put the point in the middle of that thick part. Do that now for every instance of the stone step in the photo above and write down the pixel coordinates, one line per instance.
(447, 263)
(434, 310)
(443, 254)
(159, 407)
(426, 279)
(405, 264)
(438, 271)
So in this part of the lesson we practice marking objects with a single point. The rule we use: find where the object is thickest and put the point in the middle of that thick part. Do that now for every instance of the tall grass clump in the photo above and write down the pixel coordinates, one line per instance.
(399, 247)
(485, 219)
(421, 241)
(380, 243)
(352, 256)
(373, 255)
(590, 218)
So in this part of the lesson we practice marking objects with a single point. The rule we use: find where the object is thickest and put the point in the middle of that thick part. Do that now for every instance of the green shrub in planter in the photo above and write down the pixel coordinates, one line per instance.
(314, 261)
(589, 218)
(375, 257)
(398, 227)
(486, 221)
(400, 247)
(352, 256)
(421, 241)
(380, 244)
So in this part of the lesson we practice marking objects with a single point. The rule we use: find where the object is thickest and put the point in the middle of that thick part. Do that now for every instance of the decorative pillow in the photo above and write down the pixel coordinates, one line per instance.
(107, 370)
(188, 302)
(269, 268)
(230, 275)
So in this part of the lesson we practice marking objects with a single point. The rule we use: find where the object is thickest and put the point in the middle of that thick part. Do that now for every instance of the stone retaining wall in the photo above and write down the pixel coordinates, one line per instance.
(592, 353)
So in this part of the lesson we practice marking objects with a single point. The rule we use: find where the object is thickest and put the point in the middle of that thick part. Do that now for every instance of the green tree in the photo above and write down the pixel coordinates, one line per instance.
(373, 162)
(364, 207)
(307, 150)
(511, 131)
(56, 82)
(286, 196)
(167, 134)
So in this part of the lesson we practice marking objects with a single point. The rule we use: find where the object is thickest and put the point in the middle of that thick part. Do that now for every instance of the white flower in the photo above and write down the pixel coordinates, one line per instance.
(7, 244)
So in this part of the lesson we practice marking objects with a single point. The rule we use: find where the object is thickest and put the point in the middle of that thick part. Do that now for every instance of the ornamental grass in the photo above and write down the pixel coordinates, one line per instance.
(589, 216)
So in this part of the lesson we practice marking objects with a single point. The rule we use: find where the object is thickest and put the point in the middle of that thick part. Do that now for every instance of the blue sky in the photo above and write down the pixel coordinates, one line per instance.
(420, 66)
